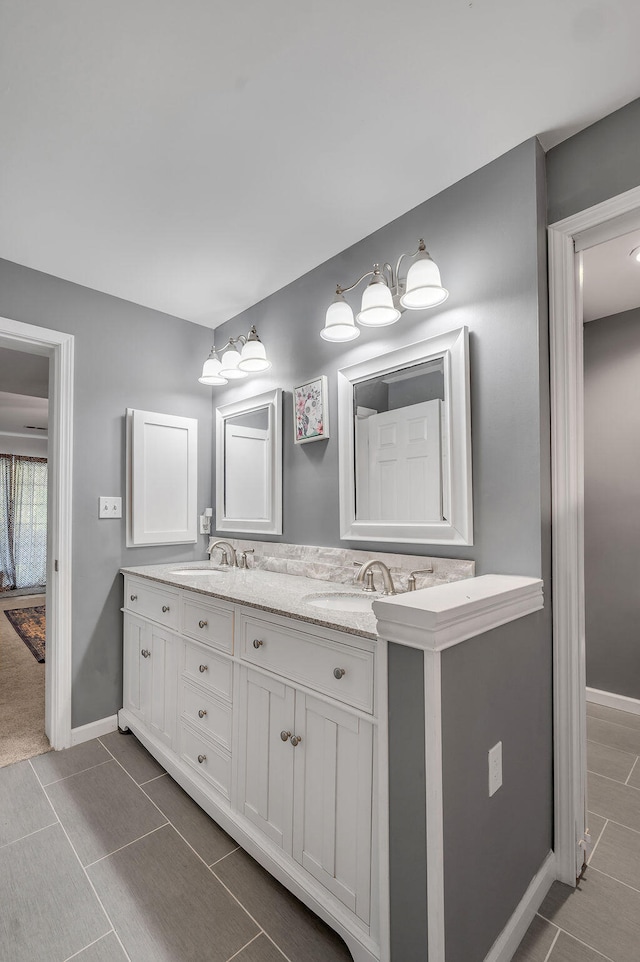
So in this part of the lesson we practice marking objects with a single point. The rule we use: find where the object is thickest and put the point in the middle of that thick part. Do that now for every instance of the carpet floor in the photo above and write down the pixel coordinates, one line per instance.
(21, 691)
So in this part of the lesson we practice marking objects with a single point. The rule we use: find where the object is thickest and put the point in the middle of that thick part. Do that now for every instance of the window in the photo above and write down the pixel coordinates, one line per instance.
(23, 522)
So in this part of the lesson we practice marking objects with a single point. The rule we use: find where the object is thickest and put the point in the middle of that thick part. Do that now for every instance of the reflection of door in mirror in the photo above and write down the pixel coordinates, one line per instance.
(246, 465)
(398, 445)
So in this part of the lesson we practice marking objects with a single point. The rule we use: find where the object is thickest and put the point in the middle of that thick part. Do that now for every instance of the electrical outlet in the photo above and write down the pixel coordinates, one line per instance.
(109, 507)
(495, 768)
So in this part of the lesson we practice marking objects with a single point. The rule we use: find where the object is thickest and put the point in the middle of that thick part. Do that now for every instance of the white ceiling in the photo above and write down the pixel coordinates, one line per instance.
(196, 156)
(611, 279)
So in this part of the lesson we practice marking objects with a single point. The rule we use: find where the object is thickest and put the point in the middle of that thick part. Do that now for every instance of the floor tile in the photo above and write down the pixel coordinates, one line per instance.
(200, 831)
(260, 950)
(49, 910)
(610, 762)
(602, 912)
(537, 941)
(23, 804)
(133, 756)
(613, 800)
(107, 949)
(568, 949)
(166, 905)
(56, 765)
(618, 854)
(626, 718)
(301, 935)
(615, 736)
(635, 776)
(102, 810)
(595, 824)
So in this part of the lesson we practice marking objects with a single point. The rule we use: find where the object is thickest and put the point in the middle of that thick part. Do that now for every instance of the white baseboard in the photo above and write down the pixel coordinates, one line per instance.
(610, 700)
(511, 936)
(102, 726)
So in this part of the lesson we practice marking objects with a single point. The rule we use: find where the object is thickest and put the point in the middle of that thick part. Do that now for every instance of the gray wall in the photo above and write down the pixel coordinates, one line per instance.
(484, 233)
(496, 687)
(612, 502)
(601, 161)
(125, 356)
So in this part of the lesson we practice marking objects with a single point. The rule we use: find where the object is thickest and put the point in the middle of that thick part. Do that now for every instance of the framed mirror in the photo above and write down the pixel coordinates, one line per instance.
(405, 444)
(249, 465)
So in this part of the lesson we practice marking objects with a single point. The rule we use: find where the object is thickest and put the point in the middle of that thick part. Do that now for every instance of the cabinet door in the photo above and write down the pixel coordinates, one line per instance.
(159, 671)
(265, 775)
(137, 637)
(333, 765)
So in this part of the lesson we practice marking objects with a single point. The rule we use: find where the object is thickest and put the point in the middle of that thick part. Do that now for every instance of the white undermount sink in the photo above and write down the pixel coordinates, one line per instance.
(197, 572)
(341, 601)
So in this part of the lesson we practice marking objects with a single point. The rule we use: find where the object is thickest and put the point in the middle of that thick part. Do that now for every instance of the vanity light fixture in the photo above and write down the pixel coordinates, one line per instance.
(635, 253)
(386, 296)
(235, 364)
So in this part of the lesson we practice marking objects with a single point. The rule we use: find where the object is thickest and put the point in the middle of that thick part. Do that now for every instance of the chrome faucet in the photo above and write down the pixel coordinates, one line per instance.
(228, 559)
(366, 570)
(421, 571)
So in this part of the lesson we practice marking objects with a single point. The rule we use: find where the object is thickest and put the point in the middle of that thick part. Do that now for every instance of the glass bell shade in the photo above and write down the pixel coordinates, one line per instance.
(230, 361)
(424, 288)
(211, 370)
(377, 306)
(253, 357)
(339, 324)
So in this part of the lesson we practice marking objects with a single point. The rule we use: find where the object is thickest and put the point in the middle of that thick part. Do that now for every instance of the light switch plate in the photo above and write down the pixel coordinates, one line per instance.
(109, 507)
(495, 768)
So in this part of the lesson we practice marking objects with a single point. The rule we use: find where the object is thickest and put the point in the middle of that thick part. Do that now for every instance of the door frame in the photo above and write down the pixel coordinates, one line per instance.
(567, 480)
(59, 348)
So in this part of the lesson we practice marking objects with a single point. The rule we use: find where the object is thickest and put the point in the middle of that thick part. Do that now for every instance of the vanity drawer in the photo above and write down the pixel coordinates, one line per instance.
(207, 714)
(340, 670)
(202, 665)
(158, 604)
(209, 760)
(207, 622)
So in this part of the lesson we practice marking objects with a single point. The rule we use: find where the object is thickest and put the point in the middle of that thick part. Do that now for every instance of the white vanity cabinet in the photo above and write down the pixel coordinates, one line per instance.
(268, 722)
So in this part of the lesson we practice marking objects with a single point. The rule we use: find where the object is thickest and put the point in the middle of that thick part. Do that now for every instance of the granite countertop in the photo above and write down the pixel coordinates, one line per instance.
(281, 594)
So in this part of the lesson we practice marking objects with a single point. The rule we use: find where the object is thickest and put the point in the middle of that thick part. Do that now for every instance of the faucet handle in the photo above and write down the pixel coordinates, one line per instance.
(420, 571)
(368, 583)
(243, 557)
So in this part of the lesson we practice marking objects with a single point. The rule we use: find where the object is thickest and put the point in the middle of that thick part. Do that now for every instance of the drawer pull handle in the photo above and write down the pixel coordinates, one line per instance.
(203, 668)
(202, 713)
(145, 653)
(295, 740)
(285, 736)
(202, 758)
(202, 624)
(165, 609)
(133, 597)
(338, 673)
(257, 642)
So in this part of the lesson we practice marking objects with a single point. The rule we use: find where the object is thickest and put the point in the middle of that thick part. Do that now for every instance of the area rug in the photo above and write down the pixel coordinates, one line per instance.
(29, 624)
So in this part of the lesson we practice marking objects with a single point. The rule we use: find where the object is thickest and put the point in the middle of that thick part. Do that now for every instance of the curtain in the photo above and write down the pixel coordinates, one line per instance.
(23, 521)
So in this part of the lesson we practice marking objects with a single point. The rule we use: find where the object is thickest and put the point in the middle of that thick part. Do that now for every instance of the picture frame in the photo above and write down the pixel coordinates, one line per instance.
(311, 410)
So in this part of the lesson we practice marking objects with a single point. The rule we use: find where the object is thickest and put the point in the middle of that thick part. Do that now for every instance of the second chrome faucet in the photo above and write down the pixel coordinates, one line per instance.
(365, 576)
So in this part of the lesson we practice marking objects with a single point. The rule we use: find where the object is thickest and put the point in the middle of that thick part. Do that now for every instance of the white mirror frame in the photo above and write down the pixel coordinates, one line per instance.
(453, 348)
(272, 400)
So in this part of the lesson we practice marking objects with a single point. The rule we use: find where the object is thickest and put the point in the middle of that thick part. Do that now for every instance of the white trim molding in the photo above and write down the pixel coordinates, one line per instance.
(94, 729)
(610, 700)
(511, 936)
(567, 484)
(59, 348)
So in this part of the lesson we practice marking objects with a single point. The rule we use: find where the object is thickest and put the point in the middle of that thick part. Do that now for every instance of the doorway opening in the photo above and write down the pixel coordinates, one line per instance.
(57, 347)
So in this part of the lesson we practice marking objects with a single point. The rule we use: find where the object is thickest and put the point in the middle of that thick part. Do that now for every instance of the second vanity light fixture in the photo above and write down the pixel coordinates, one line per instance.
(235, 364)
(386, 296)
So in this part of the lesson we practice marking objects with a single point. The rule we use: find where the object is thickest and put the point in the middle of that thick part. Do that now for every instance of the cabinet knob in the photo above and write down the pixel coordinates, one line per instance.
(202, 758)
(338, 673)
(203, 668)
(202, 624)
(295, 740)
(285, 736)
(165, 608)
(145, 653)
(257, 642)
(202, 713)
(133, 597)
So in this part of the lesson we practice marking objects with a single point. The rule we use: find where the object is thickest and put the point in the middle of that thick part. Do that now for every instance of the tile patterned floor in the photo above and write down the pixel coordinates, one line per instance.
(600, 920)
(103, 858)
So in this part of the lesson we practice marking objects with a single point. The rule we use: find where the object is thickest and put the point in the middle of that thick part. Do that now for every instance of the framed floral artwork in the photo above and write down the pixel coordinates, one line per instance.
(311, 411)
